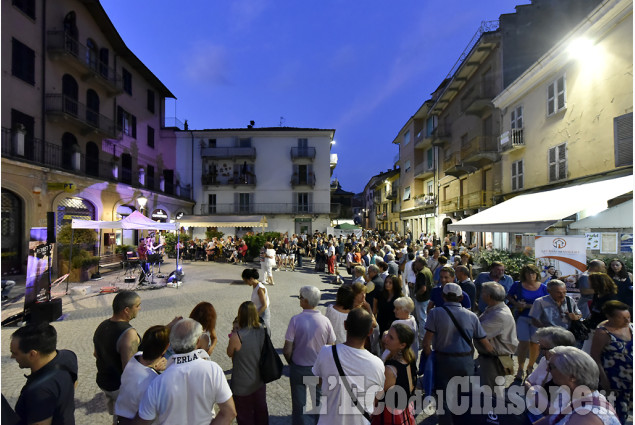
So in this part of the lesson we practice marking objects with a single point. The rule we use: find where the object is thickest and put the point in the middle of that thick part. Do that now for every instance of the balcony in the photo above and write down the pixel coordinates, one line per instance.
(377, 197)
(60, 107)
(393, 194)
(480, 151)
(382, 216)
(513, 139)
(441, 136)
(333, 161)
(229, 153)
(44, 154)
(269, 208)
(474, 200)
(302, 153)
(425, 201)
(452, 166)
(303, 180)
(61, 46)
(480, 100)
(244, 180)
(424, 170)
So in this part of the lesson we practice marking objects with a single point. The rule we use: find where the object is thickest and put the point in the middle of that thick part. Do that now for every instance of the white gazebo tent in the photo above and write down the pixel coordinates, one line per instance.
(135, 221)
(224, 221)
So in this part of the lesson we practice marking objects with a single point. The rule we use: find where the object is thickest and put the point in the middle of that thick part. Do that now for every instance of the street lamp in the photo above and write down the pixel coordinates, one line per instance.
(142, 201)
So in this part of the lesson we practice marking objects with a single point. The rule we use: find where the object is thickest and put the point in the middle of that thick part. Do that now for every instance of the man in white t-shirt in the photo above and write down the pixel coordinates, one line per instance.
(364, 373)
(190, 386)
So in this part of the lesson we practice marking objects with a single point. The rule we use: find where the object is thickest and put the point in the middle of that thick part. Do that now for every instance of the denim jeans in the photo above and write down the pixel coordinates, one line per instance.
(299, 396)
(421, 315)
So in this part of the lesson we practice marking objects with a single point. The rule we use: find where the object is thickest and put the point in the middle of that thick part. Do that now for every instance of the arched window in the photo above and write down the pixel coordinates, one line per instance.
(92, 107)
(74, 207)
(91, 54)
(71, 34)
(92, 159)
(126, 168)
(69, 92)
(70, 150)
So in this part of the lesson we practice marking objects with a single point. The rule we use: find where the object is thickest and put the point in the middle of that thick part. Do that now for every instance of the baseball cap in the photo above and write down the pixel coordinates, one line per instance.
(452, 288)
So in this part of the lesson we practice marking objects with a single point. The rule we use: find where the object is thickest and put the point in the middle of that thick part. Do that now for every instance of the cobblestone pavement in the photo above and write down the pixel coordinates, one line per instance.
(217, 283)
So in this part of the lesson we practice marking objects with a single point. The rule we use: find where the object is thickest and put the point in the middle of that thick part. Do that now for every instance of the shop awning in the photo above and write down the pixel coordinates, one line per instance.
(617, 217)
(223, 221)
(535, 212)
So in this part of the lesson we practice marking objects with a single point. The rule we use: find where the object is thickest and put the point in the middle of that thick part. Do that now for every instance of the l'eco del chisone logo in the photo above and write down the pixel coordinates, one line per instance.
(559, 243)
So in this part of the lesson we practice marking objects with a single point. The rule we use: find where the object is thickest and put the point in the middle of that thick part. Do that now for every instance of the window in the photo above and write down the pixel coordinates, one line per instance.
(91, 160)
(244, 202)
(517, 175)
(91, 54)
(244, 142)
(126, 168)
(406, 194)
(431, 125)
(407, 166)
(150, 105)
(429, 159)
(211, 203)
(168, 179)
(23, 62)
(303, 202)
(623, 135)
(70, 92)
(126, 76)
(303, 143)
(92, 107)
(211, 143)
(26, 6)
(150, 177)
(103, 62)
(430, 187)
(406, 137)
(126, 122)
(558, 162)
(151, 137)
(556, 96)
(517, 118)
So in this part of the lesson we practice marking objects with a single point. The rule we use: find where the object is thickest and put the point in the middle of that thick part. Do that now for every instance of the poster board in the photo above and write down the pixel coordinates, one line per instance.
(37, 279)
(567, 254)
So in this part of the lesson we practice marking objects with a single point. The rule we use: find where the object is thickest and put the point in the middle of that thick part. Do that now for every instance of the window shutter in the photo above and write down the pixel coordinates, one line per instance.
(553, 169)
(309, 198)
(119, 117)
(519, 174)
(514, 174)
(550, 99)
(513, 119)
(236, 202)
(623, 134)
(562, 161)
(133, 123)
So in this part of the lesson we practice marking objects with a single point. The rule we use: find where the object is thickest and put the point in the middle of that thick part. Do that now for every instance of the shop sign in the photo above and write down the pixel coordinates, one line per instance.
(65, 186)
(159, 215)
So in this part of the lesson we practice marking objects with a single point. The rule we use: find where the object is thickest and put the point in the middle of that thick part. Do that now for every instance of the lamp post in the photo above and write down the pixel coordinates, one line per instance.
(142, 201)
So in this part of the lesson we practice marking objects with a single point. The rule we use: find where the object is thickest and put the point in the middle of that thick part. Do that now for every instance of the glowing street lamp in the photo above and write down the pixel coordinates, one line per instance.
(142, 201)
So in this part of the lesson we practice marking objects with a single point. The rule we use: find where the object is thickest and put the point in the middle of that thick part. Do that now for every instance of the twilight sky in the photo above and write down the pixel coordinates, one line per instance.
(362, 68)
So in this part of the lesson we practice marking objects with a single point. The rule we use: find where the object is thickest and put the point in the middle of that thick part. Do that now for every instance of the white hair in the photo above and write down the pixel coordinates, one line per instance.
(311, 294)
(184, 335)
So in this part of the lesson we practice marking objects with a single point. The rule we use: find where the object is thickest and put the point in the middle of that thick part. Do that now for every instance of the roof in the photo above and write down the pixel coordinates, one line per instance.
(101, 18)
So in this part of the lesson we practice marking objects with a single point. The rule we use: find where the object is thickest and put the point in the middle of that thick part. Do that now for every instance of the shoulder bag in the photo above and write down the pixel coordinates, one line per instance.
(270, 364)
(347, 385)
(460, 329)
(576, 327)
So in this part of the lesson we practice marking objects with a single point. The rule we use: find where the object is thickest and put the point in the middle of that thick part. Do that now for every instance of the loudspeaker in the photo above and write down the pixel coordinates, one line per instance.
(46, 312)
(50, 227)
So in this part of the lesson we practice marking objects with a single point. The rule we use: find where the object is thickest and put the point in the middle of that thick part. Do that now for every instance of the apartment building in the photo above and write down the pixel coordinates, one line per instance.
(83, 130)
(381, 198)
(568, 119)
(280, 173)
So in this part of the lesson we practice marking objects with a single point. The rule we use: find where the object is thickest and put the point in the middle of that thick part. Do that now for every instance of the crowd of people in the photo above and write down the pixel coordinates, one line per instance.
(408, 315)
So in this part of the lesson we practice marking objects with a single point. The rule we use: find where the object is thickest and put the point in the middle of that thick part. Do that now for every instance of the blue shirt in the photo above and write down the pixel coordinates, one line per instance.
(528, 296)
(436, 296)
(483, 277)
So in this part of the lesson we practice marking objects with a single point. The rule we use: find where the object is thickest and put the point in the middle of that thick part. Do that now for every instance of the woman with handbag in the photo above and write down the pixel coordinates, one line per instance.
(521, 296)
(245, 348)
(400, 374)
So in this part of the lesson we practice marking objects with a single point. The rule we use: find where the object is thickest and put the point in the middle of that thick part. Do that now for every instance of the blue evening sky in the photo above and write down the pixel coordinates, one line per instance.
(359, 67)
